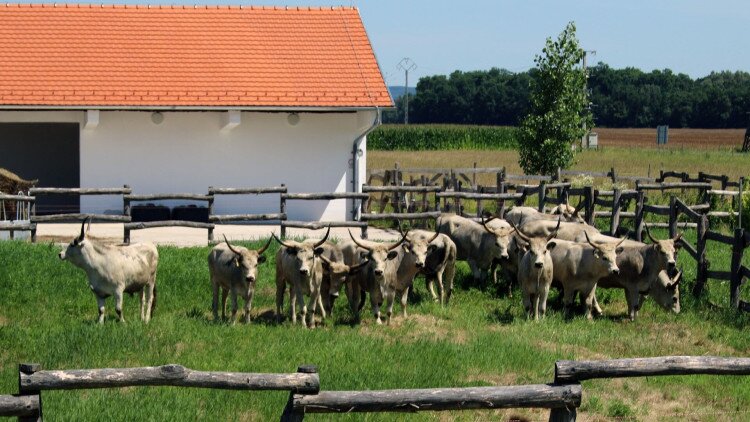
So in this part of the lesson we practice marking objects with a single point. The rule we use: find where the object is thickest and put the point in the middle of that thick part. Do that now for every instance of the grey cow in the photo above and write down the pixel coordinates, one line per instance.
(298, 265)
(114, 270)
(535, 271)
(234, 270)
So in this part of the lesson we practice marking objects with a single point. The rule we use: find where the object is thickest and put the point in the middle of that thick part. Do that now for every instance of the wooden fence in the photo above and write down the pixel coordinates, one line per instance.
(325, 196)
(129, 199)
(230, 218)
(562, 397)
(27, 202)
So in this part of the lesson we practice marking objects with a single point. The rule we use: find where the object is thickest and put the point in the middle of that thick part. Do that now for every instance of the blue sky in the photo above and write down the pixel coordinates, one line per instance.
(440, 36)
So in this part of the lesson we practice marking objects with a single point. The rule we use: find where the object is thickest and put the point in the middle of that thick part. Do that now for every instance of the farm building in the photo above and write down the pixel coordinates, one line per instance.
(174, 99)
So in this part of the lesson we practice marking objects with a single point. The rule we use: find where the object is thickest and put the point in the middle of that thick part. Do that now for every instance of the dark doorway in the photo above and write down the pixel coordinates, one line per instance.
(49, 152)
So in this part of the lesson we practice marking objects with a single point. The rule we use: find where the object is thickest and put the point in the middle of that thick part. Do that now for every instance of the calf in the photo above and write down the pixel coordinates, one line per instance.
(114, 270)
(234, 270)
(298, 265)
(478, 244)
(337, 273)
(578, 267)
(535, 273)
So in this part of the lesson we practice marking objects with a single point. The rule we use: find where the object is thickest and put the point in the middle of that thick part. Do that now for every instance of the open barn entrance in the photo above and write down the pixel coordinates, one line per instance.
(49, 152)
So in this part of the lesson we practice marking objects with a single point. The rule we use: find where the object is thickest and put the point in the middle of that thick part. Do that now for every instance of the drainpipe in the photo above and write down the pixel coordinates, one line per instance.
(355, 161)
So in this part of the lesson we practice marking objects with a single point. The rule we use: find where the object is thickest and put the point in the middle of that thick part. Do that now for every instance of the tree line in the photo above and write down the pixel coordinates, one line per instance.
(619, 98)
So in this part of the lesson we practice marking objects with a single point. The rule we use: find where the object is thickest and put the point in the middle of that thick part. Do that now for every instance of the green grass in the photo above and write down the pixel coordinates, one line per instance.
(48, 314)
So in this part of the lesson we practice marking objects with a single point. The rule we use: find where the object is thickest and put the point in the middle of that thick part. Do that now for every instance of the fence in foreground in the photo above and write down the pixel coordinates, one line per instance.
(562, 397)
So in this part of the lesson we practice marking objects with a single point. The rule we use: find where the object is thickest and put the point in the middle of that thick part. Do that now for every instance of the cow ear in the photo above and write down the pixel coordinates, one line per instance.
(619, 249)
(363, 255)
(551, 245)
(231, 262)
(319, 251)
(392, 255)
(431, 247)
(291, 251)
(261, 259)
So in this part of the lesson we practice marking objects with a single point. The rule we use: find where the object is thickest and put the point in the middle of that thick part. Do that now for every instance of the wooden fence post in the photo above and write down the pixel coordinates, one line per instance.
(739, 202)
(282, 210)
(613, 176)
(673, 214)
(701, 275)
(542, 195)
(291, 415)
(32, 213)
(126, 209)
(210, 213)
(614, 222)
(562, 415)
(738, 248)
(639, 217)
(588, 196)
(28, 369)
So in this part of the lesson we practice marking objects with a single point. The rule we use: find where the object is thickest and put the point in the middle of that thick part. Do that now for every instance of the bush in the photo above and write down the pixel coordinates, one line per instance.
(441, 137)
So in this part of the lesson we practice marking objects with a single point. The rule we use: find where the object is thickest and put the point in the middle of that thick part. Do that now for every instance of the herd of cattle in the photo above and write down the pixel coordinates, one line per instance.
(535, 250)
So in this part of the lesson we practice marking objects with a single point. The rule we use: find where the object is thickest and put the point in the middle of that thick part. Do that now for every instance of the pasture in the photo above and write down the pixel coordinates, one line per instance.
(48, 315)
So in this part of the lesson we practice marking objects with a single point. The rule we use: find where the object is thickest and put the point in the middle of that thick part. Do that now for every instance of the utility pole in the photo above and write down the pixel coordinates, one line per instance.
(406, 64)
(586, 91)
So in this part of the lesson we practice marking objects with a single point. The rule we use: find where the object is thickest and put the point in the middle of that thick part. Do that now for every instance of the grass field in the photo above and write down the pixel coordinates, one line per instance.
(48, 314)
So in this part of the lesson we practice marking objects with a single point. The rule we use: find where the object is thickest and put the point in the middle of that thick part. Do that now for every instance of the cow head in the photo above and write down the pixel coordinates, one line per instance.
(75, 250)
(607, 253)
(666, 291)
(569, 213)
(667, 249)
(246, 261)
(502, 238)
(378, 254)
(419, 248)
(304, 253)
(537, 247)
(339, 273)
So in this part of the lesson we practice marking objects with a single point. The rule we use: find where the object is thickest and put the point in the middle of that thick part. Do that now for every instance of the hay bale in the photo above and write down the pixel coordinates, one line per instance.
(11, 183)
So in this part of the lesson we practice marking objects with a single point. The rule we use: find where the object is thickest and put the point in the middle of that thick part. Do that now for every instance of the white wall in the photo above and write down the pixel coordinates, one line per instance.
(187, 152)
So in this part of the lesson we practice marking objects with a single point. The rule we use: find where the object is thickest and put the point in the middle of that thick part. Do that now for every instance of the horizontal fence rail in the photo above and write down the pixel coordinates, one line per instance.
(19, 405)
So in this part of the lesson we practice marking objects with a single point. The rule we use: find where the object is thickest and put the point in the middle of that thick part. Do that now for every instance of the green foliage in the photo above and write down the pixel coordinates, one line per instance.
(559, 107)
(618, 409)
(441, 137)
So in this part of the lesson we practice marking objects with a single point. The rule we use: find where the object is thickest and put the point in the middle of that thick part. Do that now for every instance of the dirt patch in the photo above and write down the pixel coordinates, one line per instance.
(414, 327)
(578, 352)
(3, 321)
(249, 416)
(476, 375)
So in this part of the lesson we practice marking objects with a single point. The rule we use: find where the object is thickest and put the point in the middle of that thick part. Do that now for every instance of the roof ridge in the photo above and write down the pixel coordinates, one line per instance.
(172, 6)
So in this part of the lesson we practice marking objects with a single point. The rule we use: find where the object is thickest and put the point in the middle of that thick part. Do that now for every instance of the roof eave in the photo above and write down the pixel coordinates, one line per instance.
(26, 107)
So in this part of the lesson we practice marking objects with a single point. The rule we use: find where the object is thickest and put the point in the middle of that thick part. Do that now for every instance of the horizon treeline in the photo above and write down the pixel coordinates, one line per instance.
(626, 97)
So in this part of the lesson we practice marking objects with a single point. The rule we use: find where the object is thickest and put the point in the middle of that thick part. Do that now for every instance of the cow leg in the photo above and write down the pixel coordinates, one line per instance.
(118, 305)
(390, 297)
(143, 303)
(568, 298)
(543, 300)
(224, 294)
(631, 296)
(597, 309)
(233, 295)
(215, 301)
(589, 301)
(280, 290)
(248, 305)
(535, 304)
(314, 300)
(301, 303)
(446, 279)
(375, 306)
(527, 303)
(100, 306)
(475, 272)
(292, 304)
(149, 296)
(430, 283)
(404, 300)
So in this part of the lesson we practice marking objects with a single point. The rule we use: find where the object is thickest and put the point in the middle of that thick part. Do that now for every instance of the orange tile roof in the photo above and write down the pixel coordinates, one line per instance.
(141, 56)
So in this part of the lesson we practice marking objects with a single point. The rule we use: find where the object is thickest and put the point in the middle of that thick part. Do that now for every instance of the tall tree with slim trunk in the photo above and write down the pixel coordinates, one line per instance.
(558, 108)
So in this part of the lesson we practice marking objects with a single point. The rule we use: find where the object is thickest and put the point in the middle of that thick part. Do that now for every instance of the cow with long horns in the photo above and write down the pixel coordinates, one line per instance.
(298, 265)
(113, 270)
(535, 272)
(234, 269)
(382, 277)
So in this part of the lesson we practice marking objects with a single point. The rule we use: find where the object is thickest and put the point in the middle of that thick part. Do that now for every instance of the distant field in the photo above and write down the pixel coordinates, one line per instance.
(678, 138)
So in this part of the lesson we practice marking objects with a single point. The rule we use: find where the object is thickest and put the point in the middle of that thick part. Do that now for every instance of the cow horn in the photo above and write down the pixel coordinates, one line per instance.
(83, 224)
(677, 237)
(554, 233)
(326, 260)
(263, 249)
(676, 280)
(323, 240)
(484, 224)
(578, 209)
(357, 243)
(392, 247)
(437, 233)
(88, 226)
(520, 233)
(589, 240)
(648, 233)
(400, 229)
(620, 242)
(230, 246)
(281, 242)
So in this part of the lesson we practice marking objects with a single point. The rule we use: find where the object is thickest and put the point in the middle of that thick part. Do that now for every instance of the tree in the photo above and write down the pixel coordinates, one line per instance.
(558, 107)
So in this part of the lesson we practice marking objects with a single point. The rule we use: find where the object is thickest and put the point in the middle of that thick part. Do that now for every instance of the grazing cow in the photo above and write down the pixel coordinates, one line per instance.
(440, 264)
(234, 270)
(478, 244)
(384, 276)
(520, 216)
(297, 265)
(114, 270)
(578, 267)
(535, 272)
(641, 267)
